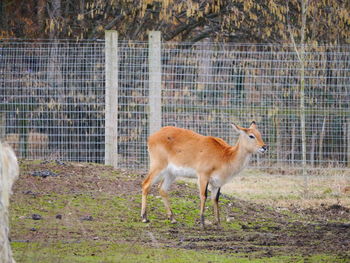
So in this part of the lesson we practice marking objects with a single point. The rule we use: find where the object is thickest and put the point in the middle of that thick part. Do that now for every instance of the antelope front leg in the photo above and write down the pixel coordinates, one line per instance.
(203, 193)
(146, 187)
(144, 204)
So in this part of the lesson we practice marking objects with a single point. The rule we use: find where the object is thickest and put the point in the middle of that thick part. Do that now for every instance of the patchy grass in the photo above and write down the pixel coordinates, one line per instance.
(285, 190)
(90, 213)
(88, 252)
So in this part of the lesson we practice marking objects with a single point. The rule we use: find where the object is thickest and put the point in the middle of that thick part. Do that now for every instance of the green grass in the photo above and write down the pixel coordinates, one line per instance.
(116, 219)
(91, 252)
(107, 252)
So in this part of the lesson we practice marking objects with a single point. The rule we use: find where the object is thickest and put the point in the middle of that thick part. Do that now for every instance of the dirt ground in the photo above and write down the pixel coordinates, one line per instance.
(247, 228)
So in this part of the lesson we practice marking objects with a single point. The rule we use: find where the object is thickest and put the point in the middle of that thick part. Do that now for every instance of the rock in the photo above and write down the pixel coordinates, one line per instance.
(230, 219)
(86, 218)
(36, 217)
(207, 222)
(60, 162)
(58, 216)
(44, 173)
(29, 192)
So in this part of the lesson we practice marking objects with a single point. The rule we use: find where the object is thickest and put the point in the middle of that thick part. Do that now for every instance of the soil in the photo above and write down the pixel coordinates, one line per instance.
(250, 228)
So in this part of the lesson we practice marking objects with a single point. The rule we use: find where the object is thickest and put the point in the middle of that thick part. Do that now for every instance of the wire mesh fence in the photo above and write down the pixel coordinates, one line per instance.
(210, 85)
(52, 99)
(133, 105)
(53, 102)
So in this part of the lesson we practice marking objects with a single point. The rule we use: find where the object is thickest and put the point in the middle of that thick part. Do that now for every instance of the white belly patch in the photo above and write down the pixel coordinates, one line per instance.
(216, 181)
(179, 171)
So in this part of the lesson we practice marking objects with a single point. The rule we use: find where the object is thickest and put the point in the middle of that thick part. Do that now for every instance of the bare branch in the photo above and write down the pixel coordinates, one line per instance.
(202, 35)
(293, 42)
(115, 21)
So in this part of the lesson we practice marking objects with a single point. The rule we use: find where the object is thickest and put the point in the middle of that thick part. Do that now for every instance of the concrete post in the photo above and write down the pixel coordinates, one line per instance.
(155, 82)
(111, 111)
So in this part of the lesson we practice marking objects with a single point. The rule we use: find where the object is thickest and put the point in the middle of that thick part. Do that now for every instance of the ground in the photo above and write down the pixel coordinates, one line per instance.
(73, 212)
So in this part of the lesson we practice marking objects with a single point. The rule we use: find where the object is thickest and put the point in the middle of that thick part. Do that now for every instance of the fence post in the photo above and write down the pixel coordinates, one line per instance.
(155, 81)
(111, 111)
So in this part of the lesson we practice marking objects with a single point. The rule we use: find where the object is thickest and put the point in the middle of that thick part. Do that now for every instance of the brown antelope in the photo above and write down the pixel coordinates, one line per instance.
(176, 152)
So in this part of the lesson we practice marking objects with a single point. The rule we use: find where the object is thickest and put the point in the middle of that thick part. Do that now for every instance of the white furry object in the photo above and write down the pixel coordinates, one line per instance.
(9, 172)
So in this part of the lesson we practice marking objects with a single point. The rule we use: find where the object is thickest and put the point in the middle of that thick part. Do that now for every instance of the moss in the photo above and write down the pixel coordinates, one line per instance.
(234, 225)
(90, 252)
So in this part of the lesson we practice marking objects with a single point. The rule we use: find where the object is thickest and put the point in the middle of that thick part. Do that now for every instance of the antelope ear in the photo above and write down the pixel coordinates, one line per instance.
(237, 128)
(253, 125)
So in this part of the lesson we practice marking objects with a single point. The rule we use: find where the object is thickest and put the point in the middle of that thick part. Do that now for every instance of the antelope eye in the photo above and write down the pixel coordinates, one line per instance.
(251, 137)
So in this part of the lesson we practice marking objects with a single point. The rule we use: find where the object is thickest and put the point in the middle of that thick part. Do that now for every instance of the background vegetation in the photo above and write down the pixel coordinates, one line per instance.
(292, 89)
(253, 21)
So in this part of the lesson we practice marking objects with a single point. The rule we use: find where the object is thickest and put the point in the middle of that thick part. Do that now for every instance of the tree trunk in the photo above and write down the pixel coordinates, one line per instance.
(55, 15)
(3, 17)
(41, 7)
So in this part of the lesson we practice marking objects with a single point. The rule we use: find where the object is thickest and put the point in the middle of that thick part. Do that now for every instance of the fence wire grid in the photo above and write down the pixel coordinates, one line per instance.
(53, 99)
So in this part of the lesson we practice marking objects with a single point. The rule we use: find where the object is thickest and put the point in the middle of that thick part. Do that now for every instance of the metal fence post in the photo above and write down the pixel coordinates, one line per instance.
(111, 111)
(155, 82)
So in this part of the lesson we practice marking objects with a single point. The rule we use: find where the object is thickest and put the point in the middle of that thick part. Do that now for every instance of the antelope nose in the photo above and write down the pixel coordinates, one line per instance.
(263, 148)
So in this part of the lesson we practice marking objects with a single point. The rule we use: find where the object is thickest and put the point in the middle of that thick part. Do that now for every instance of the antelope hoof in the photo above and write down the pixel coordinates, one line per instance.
(203, 222)
(172, 219)
(144, 219)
